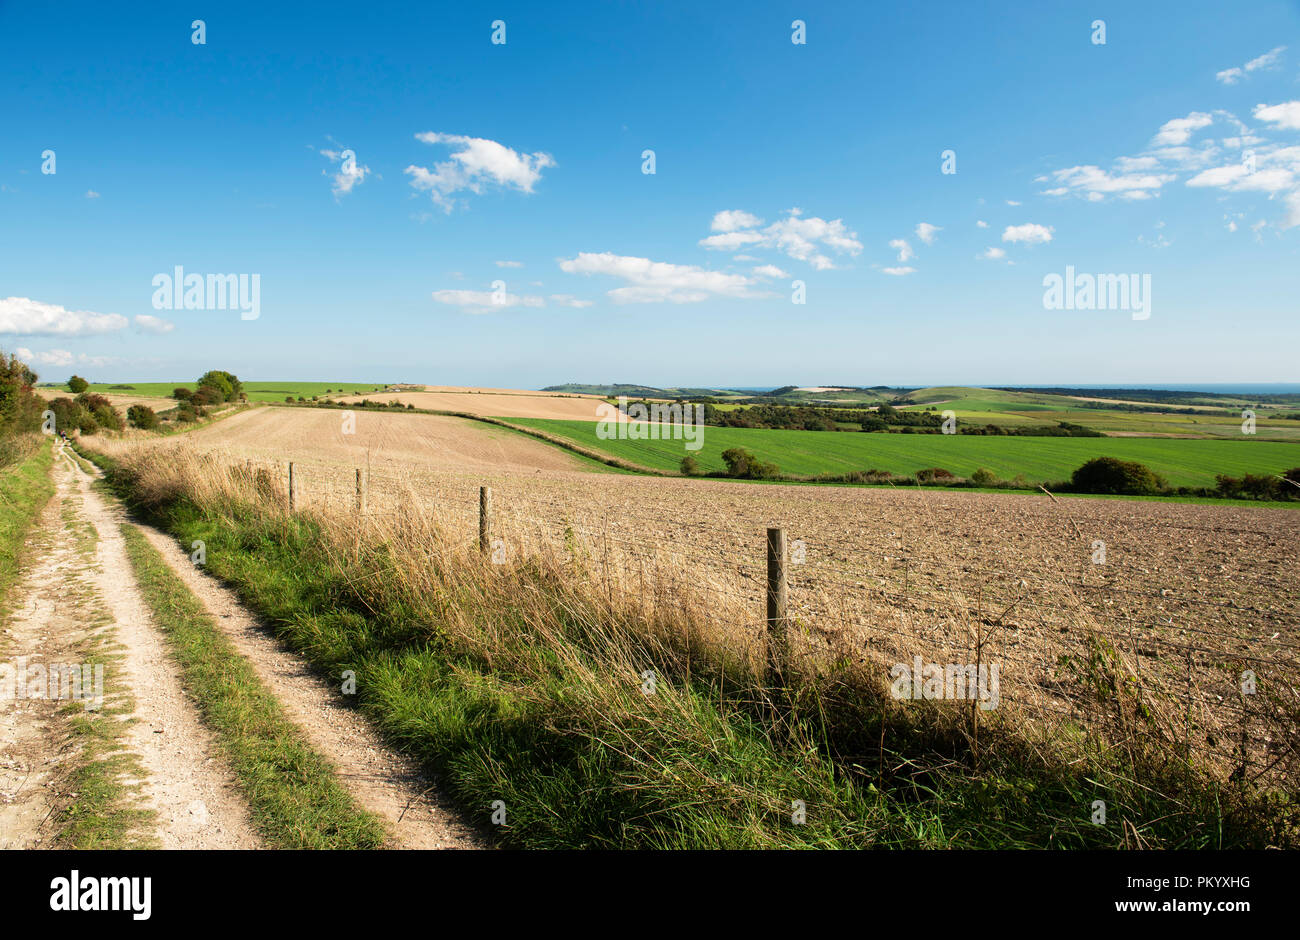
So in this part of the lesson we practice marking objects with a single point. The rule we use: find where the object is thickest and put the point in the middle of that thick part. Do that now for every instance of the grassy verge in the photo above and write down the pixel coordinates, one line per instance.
(522, 685)
(293, 794)
(25, 488)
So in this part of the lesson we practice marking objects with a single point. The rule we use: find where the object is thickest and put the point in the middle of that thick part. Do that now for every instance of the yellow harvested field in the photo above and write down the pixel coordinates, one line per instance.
(388, 442)
(495, 403)
(120, 402)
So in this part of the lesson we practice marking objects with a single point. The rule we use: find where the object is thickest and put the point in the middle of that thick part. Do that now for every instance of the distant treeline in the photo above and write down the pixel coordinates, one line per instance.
(1155, 394)
(884, 418)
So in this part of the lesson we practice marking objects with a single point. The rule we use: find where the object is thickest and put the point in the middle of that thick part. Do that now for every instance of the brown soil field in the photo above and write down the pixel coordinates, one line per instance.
(1184, 600)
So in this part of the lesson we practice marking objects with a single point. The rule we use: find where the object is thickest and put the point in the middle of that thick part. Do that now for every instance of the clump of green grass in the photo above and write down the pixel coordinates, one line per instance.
(25, 488)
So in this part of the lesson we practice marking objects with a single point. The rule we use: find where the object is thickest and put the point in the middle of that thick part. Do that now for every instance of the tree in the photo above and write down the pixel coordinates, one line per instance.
(745, 466)
(1110, 475)
(226, 384)
(77, 385)
(690, 467)
(20, 407)
(984, 477)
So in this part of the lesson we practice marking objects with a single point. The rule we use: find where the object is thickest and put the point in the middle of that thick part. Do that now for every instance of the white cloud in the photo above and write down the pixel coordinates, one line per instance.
(1095, 183)
(980, 223)
(898, 272)
(803, 239)
(993, 254)
(485, 301)
(770, 270)
(1233, 75)
(60, 357)
(509, 264)
(1030, 233)
(1285, 115)
(26, 317)
(925, 231)
(730, 220)
(1178, 131)
(476, 166)
(350, 174)
(904, 250)
(91, 194)
(152, 324)
(1235, 178)
(658, 281)
(1012, 202)
(1292, 217)
(568, 300)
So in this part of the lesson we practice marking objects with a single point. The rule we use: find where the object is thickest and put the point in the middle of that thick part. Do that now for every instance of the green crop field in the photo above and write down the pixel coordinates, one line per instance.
(256, 391)
(1041, 459)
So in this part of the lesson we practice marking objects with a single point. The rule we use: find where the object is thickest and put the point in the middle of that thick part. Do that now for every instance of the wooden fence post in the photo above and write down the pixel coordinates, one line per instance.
(361, 493)
(291, 487)
(777, 594)
(485, 519)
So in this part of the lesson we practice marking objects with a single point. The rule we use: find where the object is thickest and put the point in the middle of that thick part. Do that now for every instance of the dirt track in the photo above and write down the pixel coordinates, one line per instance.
(69, 593)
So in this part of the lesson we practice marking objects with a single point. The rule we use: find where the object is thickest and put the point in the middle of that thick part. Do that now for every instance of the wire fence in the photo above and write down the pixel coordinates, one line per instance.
(1191, 624)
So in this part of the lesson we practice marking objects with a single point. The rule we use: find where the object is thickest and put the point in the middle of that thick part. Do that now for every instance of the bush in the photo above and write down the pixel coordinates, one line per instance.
(108, 417)
(1110, 475)
(745, 466)
(206, 395)
(77, 385)
(142, 416)
(984, 477)
(289, 399)
(182, 394)
(690, 467)
(935, 475)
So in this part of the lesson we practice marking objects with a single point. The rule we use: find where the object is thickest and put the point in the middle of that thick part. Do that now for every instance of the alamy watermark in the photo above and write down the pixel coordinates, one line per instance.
(181, 291)
(1098, 292)
(56, 682)
(660, 421)
(952, 681)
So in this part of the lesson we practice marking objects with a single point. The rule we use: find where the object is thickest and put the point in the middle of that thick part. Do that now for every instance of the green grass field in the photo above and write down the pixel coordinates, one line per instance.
(256, 391)
(1040, 459)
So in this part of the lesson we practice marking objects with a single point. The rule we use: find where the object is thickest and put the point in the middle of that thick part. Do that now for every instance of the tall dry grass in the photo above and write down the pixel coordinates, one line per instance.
(572, 635)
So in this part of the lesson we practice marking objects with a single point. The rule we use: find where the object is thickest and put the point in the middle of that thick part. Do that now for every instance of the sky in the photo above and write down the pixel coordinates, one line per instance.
(458, 193)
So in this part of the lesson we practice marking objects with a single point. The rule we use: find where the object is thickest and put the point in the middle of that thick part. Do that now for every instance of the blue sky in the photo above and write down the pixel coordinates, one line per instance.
(775, 162)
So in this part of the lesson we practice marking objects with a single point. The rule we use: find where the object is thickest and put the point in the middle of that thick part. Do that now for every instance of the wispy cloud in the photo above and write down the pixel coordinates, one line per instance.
(905, 252)
(806, 239)
(60, 357)
(926, 232)
(1030, 233)
(350, 175)
(151, 324)
(1267, 60)
(485, 301)
(658, 281)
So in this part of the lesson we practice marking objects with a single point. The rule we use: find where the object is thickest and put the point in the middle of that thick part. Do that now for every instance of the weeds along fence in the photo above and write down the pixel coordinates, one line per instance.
(1076, 642)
